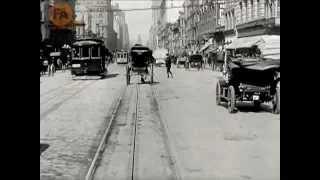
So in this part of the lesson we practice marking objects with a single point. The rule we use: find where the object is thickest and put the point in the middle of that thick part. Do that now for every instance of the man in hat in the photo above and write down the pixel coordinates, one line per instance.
(168, 65)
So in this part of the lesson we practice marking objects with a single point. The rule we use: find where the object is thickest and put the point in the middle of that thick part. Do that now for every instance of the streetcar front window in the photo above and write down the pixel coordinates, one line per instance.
(95, 52)
(76, 52)
(85, 52)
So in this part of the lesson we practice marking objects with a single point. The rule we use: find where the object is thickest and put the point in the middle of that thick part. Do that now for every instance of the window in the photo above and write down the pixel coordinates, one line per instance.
(85, 52)
(234, 19)
(266, 8)
(76, 52)
(241, 12)
(258, 8)
(95, 52)
(247, 11)
(278, 8)
(226, 17)
(252, 9)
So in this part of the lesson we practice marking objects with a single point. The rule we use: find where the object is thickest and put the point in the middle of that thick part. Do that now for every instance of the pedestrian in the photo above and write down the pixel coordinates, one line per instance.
(168, 65)
(51, 67)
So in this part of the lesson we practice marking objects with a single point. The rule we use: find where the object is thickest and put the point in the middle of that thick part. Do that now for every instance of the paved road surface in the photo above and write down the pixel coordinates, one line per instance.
(180, 131)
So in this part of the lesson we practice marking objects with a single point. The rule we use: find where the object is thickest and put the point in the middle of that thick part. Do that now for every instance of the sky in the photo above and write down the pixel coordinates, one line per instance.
(139, 22)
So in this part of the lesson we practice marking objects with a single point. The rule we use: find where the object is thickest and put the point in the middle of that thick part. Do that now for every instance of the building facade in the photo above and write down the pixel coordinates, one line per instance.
(246, 18)
(126, 38)
(44, 20)
(216, 23)
(121, 28)
(97, 15)
(159, 24)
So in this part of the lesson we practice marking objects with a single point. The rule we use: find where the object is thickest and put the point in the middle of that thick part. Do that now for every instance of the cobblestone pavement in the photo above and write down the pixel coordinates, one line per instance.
(181, 130)
(209, 142)
(73, 114)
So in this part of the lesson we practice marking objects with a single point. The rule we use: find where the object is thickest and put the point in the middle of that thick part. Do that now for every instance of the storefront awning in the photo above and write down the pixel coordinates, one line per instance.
(211, 48)
(204, 47)
(245, 42)
(269, 45)
(207, 45)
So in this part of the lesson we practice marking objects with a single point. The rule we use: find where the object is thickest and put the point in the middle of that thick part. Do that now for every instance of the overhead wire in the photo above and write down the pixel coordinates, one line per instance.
(152, 8)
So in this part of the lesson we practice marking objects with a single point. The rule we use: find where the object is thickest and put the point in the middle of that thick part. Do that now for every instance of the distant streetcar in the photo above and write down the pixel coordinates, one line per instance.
(122, 57)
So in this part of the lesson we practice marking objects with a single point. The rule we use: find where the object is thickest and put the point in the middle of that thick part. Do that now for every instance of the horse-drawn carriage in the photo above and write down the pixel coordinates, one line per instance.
(88, 57)
(140, 63)
(194, 61)
(249, 77)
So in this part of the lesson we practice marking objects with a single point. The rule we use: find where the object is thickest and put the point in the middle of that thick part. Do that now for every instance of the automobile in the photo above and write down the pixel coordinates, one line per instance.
(250, 75)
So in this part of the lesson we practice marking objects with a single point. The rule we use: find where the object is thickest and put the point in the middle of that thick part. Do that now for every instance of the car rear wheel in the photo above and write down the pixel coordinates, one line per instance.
(151, 74)
(256, 105)
(218, 93)
(128, 75)
(231, 99)
(276, 100)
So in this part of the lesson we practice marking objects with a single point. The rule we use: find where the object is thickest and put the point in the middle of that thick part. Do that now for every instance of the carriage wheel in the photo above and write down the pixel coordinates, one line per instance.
(151, 74)
(276, 100)
(128, 76)
(218, 93)
(231, 99)
(256, 105)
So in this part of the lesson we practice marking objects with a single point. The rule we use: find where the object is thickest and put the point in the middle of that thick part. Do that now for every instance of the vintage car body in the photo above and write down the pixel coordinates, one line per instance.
(253, 78)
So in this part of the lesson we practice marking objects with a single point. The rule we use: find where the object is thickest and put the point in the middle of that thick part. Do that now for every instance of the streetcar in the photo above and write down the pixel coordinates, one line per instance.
(88, 57)
(122, 57)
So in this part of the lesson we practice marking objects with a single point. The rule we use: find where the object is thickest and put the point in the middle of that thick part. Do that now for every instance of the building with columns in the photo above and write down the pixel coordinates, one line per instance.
(246, 18)
(97, 16)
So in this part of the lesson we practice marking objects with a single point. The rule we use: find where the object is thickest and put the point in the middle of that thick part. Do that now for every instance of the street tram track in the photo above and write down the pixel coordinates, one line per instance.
(63, 99)
(133, 157)
(133, 168)
(103, 141)
(48, 92)
(57, 91)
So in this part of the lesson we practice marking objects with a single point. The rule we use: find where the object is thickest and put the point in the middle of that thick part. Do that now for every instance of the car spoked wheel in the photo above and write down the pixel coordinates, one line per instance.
(218, 94)
(276, 100)
(151, 74)
(256, 105)
(231, 99)
(128, 75)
